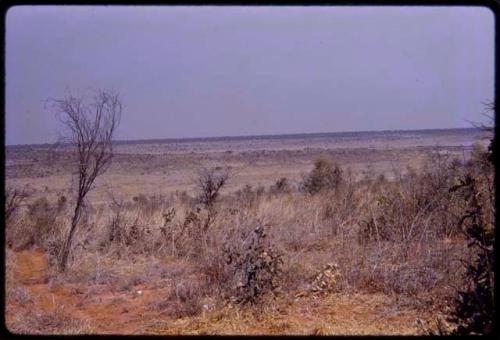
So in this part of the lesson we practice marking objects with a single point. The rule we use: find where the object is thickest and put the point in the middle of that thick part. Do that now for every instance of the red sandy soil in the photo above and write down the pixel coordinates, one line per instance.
(129, 312)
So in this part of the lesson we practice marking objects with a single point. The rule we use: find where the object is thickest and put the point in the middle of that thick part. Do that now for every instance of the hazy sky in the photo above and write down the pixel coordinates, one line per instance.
(228, 71)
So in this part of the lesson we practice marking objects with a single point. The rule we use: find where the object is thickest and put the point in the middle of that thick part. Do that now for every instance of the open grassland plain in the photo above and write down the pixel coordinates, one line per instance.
(342, 234)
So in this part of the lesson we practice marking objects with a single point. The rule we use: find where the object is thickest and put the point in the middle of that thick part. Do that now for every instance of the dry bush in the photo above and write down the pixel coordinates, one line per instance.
(248, 197)
(210, 182)
(143, 226)
(43, 215)
(326, 175)
(162, 228)
(415, 205)
(14, 198)
(403, 242)
(40, 225)
(281, 186)
(326, 280)
(375, 254)
(341, 207)
(175, 230)
(184, 300)
(256, 265)
(17, 232)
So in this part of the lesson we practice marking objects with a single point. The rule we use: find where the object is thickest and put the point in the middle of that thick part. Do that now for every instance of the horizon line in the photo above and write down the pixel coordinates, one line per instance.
(262, 136)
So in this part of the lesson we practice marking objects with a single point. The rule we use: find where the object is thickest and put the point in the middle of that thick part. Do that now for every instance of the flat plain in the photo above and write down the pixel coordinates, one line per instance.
(164, 166)
(152, 281)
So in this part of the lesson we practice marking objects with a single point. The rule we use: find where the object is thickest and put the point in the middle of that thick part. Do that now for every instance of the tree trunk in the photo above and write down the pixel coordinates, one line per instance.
(67, 245)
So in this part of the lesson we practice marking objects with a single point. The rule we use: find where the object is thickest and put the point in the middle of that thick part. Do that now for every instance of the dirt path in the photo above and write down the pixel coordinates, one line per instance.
(130, 312)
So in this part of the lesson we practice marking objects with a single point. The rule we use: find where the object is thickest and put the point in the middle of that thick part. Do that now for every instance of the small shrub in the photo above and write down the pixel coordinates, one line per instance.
(168, 216)
(326, 280)
(368, 231)
(281, 186)
(41, 226)
(184, 300)
(257, 266)
(248, 197)
(326, 175)
(13, 200)
(210, 182)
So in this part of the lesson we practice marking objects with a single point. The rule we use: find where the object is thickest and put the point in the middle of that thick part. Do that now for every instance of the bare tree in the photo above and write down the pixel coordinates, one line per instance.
(91, 127)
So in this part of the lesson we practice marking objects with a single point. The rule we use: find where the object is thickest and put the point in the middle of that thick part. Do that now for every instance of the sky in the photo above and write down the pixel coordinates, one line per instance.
(210, 71)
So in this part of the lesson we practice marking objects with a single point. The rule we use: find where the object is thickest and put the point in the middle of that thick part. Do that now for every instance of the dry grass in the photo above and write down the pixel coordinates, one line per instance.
(56, 322)
(391, 237)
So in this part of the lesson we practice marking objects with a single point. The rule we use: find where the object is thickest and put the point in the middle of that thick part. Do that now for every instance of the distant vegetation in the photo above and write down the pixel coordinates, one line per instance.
(426, 236)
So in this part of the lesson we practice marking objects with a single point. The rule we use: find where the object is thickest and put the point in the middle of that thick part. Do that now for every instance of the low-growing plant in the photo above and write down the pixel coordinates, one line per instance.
(210, 182)
(326, 175)
(184, 299)
(54, 322)
(257, 266)
(40, 226)
(14, 198)
(282, 185)
(248, 197)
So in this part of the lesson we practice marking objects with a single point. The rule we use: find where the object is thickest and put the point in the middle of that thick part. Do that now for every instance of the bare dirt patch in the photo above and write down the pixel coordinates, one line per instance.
(104, 311)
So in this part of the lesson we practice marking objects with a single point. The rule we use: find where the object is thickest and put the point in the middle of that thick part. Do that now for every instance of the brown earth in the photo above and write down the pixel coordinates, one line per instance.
(109, 312)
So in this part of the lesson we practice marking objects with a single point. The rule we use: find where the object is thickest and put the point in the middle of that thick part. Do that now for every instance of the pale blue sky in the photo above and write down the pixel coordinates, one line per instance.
(228, 71)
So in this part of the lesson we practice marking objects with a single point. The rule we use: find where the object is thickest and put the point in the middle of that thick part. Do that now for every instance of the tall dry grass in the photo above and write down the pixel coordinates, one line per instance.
(398, 237)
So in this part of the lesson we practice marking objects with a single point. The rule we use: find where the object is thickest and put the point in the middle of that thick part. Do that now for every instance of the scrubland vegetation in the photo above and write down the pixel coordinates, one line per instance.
(423, 239)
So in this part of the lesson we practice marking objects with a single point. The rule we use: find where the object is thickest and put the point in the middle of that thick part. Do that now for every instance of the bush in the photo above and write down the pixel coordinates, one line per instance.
(13, 200)
(39, 226)
(184, 300)
(475, 306)
(44, 214)
(326, 175)
(415, 205)
(210, 182)
(282, 185)
(248, 197)
(257, 267)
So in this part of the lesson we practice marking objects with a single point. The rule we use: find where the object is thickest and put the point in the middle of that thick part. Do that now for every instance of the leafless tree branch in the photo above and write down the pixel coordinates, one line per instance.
(91, 127)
